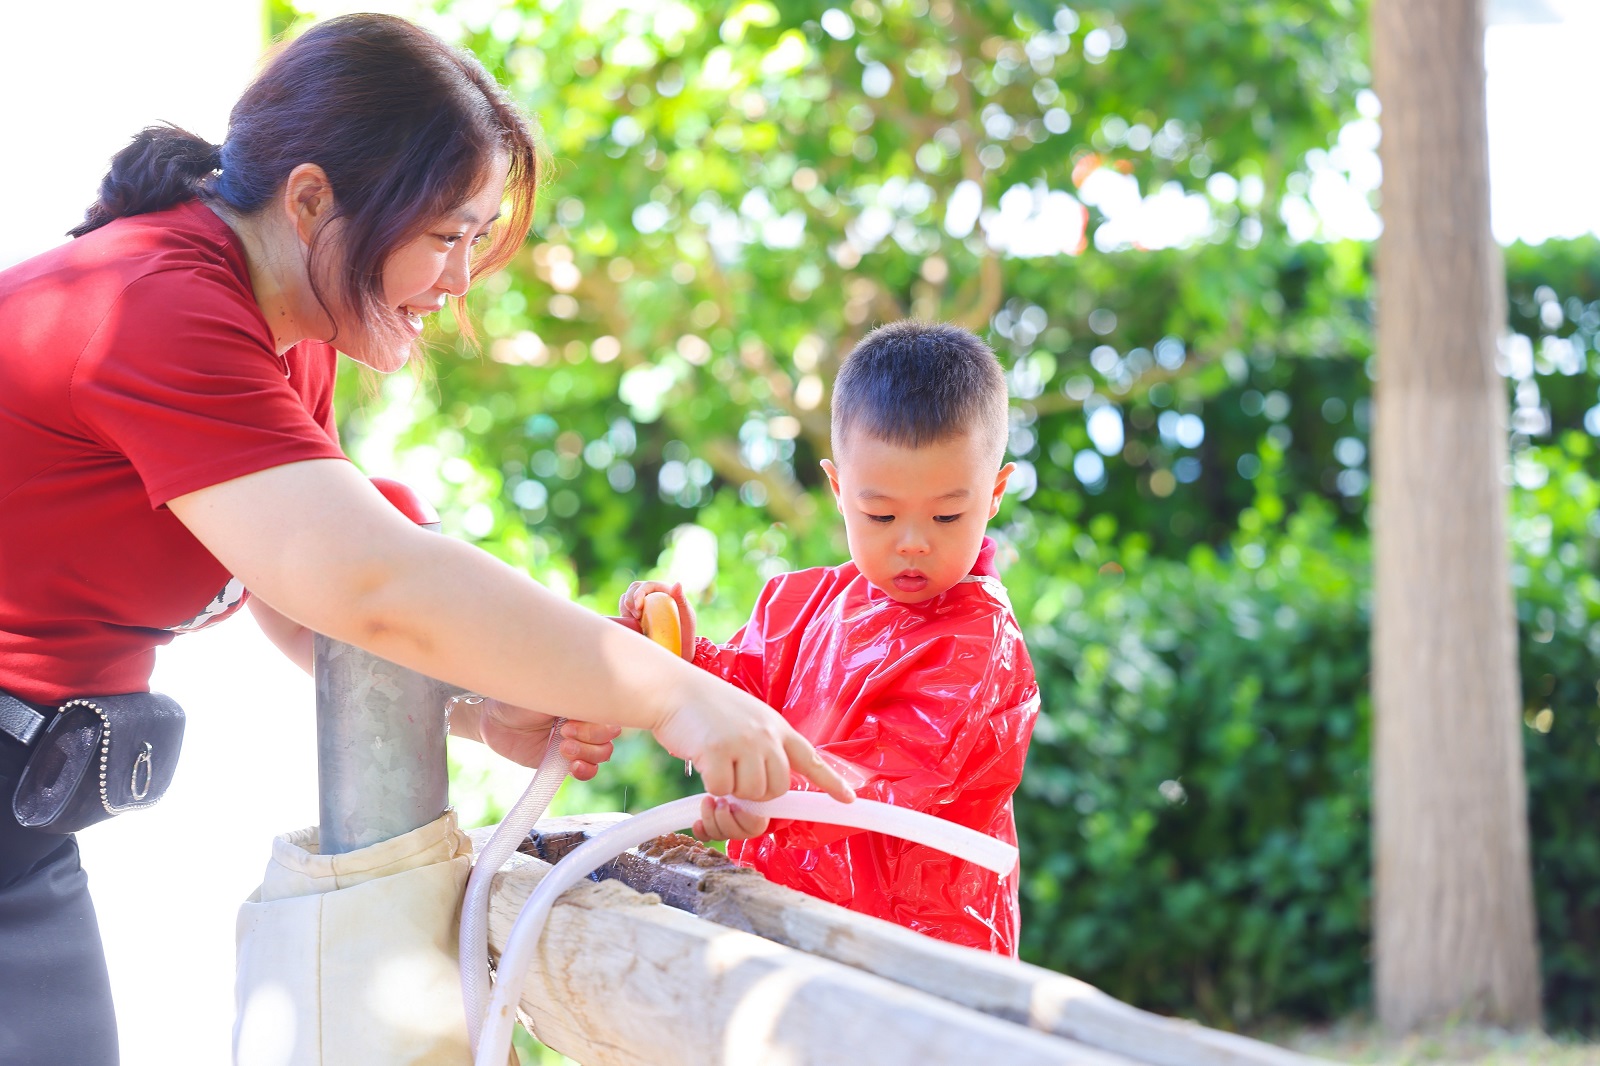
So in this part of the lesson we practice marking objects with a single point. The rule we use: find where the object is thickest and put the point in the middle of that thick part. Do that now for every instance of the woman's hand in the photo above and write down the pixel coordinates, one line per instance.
(740, 746)
(632, 609)
(522, 735)
(722, 820)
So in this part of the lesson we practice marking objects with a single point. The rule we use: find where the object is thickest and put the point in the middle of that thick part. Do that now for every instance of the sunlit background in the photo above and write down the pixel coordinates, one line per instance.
(184, 61)
(79, 78)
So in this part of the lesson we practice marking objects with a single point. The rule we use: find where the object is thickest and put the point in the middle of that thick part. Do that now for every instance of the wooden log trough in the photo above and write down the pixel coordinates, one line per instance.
(676, 957)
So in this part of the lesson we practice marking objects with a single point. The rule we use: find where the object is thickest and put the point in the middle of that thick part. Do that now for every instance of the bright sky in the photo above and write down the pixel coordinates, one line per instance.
(184, 61)
(1544, 149)
(81, 76)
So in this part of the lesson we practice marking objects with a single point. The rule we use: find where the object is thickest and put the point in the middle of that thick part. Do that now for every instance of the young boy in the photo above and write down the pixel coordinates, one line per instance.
(905, 665)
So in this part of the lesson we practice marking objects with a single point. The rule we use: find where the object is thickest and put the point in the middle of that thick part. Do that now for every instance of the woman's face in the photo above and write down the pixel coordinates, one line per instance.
(421, 273)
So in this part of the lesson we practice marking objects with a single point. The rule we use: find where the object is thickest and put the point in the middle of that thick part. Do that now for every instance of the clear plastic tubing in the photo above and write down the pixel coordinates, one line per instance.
(473, 947)
(495, 1039)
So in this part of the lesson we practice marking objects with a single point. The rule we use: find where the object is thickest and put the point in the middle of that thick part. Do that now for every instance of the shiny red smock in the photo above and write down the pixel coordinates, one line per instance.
(927, 706)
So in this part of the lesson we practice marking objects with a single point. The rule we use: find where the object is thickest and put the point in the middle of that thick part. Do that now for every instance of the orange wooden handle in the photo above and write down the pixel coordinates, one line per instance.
(660, 621)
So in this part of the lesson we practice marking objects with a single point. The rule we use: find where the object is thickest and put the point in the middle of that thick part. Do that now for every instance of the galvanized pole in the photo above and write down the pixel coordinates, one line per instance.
(381, 767)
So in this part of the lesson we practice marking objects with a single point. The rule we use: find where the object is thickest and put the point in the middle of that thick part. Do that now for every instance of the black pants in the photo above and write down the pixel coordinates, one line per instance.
(55, 994)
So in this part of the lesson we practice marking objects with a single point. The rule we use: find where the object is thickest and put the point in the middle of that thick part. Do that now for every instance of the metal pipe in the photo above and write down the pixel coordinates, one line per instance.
(381, 766)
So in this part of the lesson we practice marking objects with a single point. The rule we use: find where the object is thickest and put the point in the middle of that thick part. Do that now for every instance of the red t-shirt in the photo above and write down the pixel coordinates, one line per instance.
(135, 367)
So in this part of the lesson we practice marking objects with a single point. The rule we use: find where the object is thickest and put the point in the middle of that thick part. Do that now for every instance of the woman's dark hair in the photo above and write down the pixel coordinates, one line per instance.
(405, 127)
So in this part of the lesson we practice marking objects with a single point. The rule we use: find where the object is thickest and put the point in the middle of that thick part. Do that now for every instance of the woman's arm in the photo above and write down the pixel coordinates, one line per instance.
(324, 548)
(585, 744)
(289, 637)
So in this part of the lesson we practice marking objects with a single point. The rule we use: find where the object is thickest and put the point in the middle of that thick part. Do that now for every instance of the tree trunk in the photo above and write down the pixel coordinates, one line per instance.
(1453, 909)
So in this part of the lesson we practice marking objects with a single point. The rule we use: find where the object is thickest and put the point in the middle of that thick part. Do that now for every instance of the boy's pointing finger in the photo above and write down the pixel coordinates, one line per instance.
(804, 760)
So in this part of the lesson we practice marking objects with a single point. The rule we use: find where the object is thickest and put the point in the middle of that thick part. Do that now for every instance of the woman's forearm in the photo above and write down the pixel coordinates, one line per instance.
(497, 632)
(318, 544)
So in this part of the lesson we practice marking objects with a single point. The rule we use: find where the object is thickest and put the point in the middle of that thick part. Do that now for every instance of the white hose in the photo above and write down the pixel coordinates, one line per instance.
(495, 1040)
(473, 946)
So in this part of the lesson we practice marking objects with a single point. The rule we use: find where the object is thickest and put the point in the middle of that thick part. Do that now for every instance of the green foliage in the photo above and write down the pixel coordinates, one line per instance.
(1194, 815)
(1554, 302)
(1194, 811)
(1556, 536)
(738, 190)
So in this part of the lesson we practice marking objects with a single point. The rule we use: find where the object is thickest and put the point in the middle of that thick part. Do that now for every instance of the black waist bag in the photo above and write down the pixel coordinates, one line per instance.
(97, 757)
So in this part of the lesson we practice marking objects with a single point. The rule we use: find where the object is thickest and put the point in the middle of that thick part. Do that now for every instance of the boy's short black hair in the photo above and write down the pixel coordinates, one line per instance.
(917, 383)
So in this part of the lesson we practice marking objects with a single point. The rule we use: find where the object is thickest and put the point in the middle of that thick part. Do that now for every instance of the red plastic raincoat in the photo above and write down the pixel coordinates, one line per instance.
(927, 706)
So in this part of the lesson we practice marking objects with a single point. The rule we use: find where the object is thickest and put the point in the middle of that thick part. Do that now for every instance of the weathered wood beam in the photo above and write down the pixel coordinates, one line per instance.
(622, 980)
(685, 874)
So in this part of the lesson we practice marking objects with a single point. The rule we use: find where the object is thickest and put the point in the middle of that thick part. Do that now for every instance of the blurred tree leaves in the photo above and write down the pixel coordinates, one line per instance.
(739, 191)
(1195, 816)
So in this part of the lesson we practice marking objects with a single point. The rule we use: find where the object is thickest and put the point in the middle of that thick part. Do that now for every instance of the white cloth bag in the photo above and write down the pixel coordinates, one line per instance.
(350, 960)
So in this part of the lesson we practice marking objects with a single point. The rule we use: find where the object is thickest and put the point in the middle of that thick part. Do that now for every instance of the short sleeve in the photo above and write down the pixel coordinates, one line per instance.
(183, 380)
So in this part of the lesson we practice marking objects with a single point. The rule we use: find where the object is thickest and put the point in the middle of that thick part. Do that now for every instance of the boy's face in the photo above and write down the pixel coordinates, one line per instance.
(915, 517)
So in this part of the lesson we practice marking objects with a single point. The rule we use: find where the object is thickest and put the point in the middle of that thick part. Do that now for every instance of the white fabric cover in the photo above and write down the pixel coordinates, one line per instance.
(350, 960)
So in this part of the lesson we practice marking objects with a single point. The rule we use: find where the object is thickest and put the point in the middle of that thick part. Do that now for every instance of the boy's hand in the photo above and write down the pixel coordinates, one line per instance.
(632, 608)
(721, 820)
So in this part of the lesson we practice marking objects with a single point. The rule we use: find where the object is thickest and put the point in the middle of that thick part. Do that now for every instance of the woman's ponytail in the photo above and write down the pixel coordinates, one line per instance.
(406, 130)
(164, 165)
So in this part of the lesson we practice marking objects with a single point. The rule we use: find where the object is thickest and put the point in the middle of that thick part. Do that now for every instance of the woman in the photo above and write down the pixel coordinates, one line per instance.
(166, 431)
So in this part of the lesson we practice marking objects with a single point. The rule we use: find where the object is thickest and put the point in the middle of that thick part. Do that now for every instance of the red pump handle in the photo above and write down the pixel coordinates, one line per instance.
(408, 502)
